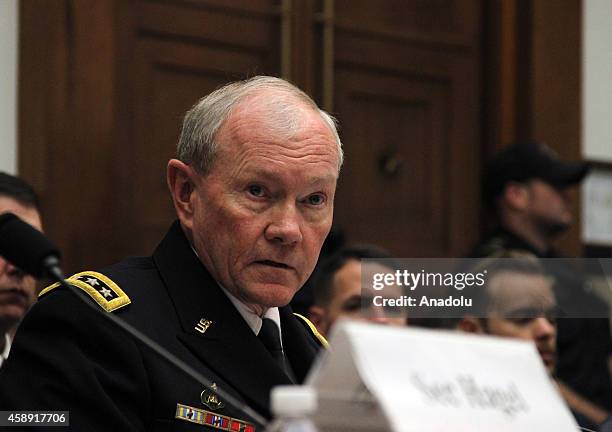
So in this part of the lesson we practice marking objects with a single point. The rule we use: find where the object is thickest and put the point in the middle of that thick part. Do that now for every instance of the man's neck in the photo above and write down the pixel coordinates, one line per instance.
(527, 232)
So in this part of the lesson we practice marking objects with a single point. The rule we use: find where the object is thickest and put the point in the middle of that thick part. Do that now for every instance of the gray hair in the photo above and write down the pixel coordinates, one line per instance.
(197, 146)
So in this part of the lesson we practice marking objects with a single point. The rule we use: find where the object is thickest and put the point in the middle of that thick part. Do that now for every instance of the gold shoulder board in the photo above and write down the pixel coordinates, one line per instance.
(313, 330)
(99, 287)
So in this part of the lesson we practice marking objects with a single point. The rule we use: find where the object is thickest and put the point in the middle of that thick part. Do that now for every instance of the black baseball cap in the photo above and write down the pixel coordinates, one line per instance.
(525, 161)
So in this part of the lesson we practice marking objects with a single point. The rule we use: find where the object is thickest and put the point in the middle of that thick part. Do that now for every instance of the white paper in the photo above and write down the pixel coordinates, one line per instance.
(597, 208)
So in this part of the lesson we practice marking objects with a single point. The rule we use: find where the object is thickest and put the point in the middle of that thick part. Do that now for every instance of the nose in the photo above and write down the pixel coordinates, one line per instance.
(543, 328)
(567, 194)
(285, 226)
(379, 320)
(8, 269)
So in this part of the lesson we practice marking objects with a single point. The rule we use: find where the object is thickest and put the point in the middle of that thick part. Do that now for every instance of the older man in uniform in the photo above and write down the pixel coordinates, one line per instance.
(253, 187)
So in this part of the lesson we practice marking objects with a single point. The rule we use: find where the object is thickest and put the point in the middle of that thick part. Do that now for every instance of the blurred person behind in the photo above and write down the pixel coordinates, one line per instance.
(303, 300)
(17, 290)
(528, 190)
(518, 301)
(338, 292)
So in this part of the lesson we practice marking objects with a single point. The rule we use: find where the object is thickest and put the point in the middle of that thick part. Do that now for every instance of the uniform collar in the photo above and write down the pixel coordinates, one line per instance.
(252, 319)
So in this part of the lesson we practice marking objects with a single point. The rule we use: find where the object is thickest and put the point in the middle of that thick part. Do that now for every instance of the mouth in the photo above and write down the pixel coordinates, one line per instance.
(13, 296)
(547, 356)
(274, 264)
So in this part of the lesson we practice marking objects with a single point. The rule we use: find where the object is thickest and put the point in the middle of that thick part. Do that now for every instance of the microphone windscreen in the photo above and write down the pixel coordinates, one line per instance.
(24, 246)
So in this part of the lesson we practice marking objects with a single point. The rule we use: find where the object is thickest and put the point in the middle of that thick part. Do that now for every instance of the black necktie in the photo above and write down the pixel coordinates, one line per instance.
(269, 335)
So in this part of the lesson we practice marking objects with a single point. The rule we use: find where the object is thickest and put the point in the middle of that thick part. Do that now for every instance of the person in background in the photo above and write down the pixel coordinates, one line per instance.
(518, 301)
(17, 290)
(304, 298)
(528, 190)
(338, 293)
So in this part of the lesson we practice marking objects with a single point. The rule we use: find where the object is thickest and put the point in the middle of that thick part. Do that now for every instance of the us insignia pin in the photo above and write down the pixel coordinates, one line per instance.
(203, 417)
(210, 399)
(203, 325)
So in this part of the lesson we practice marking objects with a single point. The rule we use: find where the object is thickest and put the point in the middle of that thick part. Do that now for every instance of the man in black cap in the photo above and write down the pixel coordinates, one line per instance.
(527, 188)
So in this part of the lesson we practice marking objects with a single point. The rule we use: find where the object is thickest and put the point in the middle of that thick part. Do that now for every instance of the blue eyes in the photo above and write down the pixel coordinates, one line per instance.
(257, 191)
(316, 199)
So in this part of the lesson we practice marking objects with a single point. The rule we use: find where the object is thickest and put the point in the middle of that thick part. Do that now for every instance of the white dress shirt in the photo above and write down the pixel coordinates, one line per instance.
(7, 348)
(252, 319)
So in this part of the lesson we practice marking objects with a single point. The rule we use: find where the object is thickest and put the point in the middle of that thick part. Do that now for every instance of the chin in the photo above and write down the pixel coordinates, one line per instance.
(272, 295)
(558, 228)
(553, 227)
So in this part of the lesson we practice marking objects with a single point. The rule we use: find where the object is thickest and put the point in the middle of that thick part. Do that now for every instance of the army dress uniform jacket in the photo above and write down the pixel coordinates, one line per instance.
(67, 357)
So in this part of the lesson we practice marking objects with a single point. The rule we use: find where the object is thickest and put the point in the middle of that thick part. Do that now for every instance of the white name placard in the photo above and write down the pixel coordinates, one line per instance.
(403, 379)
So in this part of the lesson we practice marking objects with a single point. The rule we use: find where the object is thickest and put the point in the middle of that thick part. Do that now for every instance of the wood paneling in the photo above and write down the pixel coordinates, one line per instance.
(554, 99)
(407, 93)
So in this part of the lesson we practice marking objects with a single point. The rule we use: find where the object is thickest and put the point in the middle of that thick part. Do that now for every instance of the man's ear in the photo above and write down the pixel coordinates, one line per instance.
(316, 314)
(470, 324)
(180, 178)
(516, 195)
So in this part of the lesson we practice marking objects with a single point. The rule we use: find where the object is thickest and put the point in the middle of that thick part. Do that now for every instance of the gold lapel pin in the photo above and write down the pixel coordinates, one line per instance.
(210, 399)
(203, 325)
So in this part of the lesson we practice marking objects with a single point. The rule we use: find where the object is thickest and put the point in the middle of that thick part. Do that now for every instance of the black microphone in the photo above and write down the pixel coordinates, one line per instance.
(30, 250)
(26, 247)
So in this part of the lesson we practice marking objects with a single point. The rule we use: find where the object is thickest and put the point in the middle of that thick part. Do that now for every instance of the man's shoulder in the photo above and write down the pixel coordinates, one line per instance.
(312, 331)
(116, 286)
(490, 245)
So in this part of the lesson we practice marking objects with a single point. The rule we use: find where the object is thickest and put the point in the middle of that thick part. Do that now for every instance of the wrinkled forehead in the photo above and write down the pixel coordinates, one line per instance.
(276, 112)
(260, 137)
(513, 290)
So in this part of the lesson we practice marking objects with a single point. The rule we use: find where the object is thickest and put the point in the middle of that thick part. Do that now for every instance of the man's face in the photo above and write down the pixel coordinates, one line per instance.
(548, 207)
(261, 214)
(523, 307)
(349, 299)
(17, 290)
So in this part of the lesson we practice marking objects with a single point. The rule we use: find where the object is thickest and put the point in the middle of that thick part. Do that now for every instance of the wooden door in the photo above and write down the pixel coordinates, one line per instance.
(407, 93)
